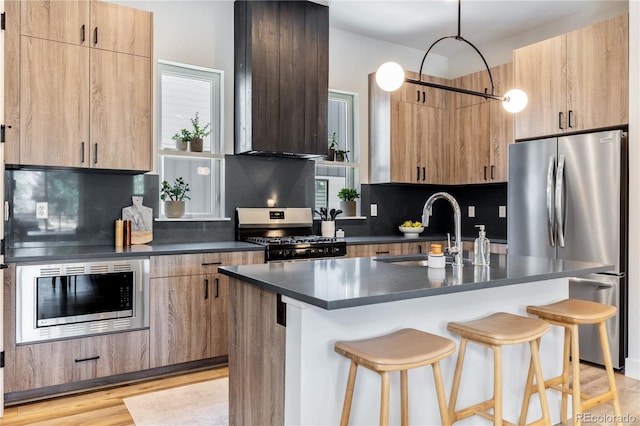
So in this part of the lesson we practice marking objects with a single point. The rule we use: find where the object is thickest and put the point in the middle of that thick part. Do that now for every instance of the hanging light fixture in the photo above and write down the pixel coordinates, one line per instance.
(390, 77)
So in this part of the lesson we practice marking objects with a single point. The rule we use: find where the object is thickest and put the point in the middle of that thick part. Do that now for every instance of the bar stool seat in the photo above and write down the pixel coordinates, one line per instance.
(570, 313)
(495, 331)
(398, 351)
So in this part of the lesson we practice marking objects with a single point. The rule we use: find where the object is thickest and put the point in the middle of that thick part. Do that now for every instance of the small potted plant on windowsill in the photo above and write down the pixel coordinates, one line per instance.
(333, 144)
(348, 198)
(198, 134)
(342, 155)
(182, 139)
(174, 197)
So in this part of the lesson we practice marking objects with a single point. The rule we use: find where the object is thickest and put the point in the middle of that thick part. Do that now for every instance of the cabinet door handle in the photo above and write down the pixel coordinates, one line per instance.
(211, 263)
(418, 173)
(423, 96)
(82, 152)
(206, 288)
(418, 93)
(424, 173)
(570, 115)
(92, 358)
(95, 155)
(492, 167)
(217, 288)
(95, 36)
(383, 252)
(485, 172)
(560, 121)
(82, 33)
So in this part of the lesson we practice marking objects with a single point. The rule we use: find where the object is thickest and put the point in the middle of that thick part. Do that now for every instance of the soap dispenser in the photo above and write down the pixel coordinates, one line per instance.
(481, 248)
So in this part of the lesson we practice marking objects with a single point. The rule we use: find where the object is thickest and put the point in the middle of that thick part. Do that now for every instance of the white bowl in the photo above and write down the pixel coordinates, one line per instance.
(411, 232)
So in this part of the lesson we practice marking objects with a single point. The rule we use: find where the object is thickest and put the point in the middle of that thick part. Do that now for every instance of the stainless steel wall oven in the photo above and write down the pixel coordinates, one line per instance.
(62, 300)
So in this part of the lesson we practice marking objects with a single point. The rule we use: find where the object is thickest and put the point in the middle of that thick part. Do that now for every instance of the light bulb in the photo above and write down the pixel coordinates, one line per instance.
(516, 100)
(390, 76)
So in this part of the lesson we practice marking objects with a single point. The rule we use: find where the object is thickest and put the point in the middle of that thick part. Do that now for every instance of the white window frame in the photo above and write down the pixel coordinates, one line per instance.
(352, 167)
(216, 156)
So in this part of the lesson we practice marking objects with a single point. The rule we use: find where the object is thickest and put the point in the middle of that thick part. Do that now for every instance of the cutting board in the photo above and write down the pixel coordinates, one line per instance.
(141, 218)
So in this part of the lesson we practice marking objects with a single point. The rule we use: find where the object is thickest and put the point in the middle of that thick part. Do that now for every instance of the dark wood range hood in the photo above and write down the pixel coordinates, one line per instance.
(281, 78)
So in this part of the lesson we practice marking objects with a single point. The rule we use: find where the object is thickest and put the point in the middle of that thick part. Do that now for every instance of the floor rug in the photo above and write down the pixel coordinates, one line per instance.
(205, 403)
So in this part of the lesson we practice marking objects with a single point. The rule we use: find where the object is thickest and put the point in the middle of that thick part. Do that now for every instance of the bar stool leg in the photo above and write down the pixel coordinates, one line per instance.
(442, 402)
(565, 374)
(348, 395)
(535, 360)
(604, 341)
(404, 399)
(497, 385)
(455, 387)
(575, 371)
(529, 389)
(384, 399)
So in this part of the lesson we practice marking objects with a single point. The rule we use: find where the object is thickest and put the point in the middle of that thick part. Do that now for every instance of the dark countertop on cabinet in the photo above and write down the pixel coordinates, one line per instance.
(349, 282)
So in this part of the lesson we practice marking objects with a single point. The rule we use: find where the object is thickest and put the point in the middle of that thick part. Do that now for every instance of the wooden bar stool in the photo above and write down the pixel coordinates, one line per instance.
(495, 331)
(398, 351)
(570, 313)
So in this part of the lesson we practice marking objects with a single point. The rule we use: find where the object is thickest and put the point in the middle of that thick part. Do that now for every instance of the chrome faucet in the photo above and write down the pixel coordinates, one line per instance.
(456, 250)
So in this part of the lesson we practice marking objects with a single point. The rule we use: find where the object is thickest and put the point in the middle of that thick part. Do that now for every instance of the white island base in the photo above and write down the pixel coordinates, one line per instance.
(316, 376)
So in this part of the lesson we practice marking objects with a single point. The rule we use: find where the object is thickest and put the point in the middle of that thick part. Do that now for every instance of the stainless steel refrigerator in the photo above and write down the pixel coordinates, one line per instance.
(567, 199)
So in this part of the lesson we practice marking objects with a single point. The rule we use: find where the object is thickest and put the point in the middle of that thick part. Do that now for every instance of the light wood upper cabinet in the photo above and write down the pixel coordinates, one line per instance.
(92, 106)
(66, 21)
(481, 130)
(576, 81)
(120, 29)
(408, 131)
(54, 105)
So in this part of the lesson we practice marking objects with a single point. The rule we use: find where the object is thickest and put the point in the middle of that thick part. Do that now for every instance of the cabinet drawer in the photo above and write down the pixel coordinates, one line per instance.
(201, 263)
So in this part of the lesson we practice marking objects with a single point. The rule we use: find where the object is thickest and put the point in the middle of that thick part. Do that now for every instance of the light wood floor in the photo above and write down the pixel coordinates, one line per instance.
(106, 407)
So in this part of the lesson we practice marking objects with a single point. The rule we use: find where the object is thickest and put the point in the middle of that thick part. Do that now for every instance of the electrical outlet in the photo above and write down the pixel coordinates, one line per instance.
(374, 210)
(42, 210)
(471, 212)
(502, 211)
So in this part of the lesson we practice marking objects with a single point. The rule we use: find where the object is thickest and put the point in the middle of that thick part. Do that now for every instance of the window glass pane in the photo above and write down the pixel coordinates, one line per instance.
(202, 175)
(338, 122)
(185, 91)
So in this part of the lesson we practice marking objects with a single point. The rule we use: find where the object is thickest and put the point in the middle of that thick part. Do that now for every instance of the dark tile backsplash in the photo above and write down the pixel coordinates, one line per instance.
(83, 205)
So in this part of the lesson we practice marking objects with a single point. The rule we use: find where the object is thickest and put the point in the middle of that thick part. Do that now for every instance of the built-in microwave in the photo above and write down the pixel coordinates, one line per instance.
(62, 300)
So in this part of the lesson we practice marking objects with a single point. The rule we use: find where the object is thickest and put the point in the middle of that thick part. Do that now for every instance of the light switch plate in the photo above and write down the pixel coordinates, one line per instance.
(471, 211)
(374, 210)
(502, 211)
(42, 210)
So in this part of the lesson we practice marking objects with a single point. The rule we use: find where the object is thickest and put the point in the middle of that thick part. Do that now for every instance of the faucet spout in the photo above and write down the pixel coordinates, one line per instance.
(456, 250)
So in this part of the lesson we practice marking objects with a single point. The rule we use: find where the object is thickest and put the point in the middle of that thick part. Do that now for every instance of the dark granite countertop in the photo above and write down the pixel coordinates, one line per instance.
(387, 239)
(57, 253)
(344, 283)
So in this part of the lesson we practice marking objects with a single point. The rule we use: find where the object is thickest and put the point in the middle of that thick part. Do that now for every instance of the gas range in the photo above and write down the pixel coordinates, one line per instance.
(286, 234)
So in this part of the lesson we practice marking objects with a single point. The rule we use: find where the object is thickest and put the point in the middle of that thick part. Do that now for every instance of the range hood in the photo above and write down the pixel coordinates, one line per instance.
(281, 78)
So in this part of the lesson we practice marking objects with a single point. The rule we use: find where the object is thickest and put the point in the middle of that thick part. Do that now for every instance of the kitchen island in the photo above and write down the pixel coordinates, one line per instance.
(286, 317)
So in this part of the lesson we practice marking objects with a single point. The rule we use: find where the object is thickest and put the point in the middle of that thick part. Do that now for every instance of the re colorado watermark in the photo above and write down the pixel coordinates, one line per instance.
(607, 418)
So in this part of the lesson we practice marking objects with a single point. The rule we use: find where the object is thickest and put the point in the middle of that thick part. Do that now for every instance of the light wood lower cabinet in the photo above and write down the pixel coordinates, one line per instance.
(391, 249)
(56, 363)
(189, 306)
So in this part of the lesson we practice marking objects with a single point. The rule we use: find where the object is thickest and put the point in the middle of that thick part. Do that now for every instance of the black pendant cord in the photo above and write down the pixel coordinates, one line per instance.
(458, 37)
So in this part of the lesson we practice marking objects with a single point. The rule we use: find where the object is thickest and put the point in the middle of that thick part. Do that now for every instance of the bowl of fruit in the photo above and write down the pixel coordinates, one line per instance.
(411, 229)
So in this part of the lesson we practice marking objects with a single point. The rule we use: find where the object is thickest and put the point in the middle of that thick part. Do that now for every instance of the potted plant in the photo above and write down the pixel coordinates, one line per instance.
(333, 144)
(348, 198)
(198, 134)
(182, 138)
(342, 155)
(174, 197)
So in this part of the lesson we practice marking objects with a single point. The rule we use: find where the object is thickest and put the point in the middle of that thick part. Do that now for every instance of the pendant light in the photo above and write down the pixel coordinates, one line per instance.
(390, 77)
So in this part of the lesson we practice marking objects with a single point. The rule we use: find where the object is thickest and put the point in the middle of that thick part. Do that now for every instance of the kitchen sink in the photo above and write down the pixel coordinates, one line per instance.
(415, 260)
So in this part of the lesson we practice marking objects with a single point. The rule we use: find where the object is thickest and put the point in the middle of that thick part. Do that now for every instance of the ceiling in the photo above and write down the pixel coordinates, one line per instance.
(417, 24)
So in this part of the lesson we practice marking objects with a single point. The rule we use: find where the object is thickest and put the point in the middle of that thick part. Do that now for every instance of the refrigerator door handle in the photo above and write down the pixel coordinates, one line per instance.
(560, 204)
(550, 184)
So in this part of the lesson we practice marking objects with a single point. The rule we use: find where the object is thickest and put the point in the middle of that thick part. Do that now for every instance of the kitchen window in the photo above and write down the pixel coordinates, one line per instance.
(332, 176)
(184, 91)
